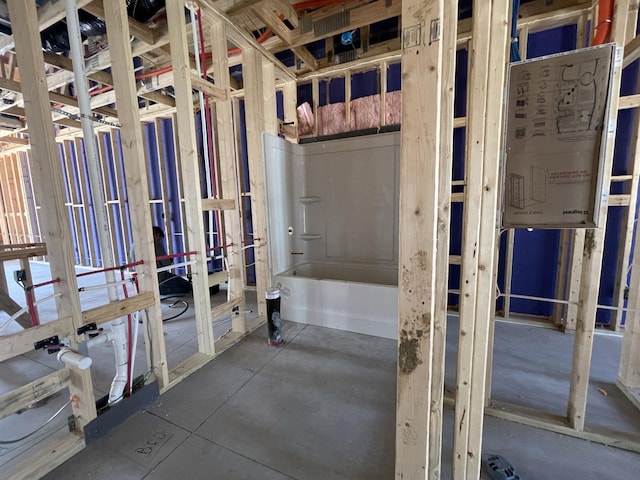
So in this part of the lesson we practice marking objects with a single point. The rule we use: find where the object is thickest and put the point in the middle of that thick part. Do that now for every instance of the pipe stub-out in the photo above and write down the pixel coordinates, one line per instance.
(274, 322)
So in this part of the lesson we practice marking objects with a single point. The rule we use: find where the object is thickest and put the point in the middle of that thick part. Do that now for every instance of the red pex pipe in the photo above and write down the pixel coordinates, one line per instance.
(28, 293)
(110, 269)
(49, 282)
(175, 255)
(605, 18)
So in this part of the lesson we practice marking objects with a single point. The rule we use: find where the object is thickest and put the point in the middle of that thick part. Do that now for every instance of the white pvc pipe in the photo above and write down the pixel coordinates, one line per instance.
(73, 359)
(119, 331)
(97, 189)
(176, 265)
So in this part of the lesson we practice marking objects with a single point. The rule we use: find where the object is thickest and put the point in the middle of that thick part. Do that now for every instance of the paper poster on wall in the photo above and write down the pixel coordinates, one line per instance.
(555, 133)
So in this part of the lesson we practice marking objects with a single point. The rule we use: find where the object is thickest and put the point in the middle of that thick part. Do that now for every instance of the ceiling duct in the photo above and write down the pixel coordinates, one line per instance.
(337, 21)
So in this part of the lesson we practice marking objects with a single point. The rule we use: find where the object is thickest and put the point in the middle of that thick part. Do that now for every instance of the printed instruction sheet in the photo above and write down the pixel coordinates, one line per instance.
(555, 128)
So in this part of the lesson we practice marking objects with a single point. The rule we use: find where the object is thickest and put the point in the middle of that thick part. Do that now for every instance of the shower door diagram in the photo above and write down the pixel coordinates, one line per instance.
(555, 131)
(525, 191)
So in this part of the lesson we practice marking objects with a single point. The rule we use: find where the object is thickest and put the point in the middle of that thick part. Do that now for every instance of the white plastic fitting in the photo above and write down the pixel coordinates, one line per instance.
(73, 359)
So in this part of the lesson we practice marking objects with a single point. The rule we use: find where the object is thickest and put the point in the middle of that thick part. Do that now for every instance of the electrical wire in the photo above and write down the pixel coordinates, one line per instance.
(16, 440)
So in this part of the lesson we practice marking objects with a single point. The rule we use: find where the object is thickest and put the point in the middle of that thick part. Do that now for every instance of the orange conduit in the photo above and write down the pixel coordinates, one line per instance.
(605, 18)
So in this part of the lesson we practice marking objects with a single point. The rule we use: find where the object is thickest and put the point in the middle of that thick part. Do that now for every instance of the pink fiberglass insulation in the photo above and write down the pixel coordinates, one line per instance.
(393, 110)
(305, 119)
(331, 119)
(365, 113)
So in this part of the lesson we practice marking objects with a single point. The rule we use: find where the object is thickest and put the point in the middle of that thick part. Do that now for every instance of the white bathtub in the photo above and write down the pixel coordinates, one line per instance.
(353, 298)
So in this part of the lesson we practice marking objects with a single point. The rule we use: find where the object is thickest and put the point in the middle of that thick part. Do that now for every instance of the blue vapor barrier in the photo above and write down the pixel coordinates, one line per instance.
(246, 201)
(280, 106)
(111, 191)
(394, 77)
(173, 190)
(75, 178)
(210, 218)
(88, 204)
(69, 202)
(365, 84)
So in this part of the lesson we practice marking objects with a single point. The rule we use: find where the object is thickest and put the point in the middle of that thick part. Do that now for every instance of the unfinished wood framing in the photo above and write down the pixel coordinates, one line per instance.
(593, 251)
(426, 165)
(43, 145)
(228, 174)
(136, 176)
(439, 332)
(420, 166)
(185, 128)
(256, 113)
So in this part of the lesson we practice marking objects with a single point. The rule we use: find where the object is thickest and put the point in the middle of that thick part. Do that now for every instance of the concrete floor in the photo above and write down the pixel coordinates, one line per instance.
(323, 407)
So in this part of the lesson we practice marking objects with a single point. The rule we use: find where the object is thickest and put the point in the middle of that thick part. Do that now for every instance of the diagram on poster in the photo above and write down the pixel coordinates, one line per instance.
(555, 129)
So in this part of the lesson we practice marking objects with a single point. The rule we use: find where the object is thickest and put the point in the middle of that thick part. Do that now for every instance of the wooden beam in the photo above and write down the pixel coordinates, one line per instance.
(207, 88)
(631, 51)
(15, 140)
(306, 56)
(22, 342)
(33, 392)
(54, 213)
(240, 37)
(594, 249)
(486, 261)
(52, 12)
(119, 308)
(218, 204)
(477, 110)
(137, 29)
(269, 16)
(135, 174)
(190, 170)
(449, 16)
(629, 101)
(228, 167)
(420, 165)
(50, 455)
(290, 99)
(256, 115)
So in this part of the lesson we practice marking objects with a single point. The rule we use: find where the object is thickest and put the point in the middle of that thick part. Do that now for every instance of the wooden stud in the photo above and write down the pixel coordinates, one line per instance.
(593, 251)
(136, 176)
(180, 182)
(628, 224)
(190, 169)
(420, 159)
(477, 86)
(508, 271)
(290, 97)
(43, 145)
(256, 114)
(574, 280)
(486, 262)
(564, 250)
(384, 72)
(269, 98)
(449, 16)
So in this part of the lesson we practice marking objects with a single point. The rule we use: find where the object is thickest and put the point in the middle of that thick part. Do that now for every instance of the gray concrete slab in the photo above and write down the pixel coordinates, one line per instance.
(315, 410)
(130, 451)
(198, 458)
(211, 389)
